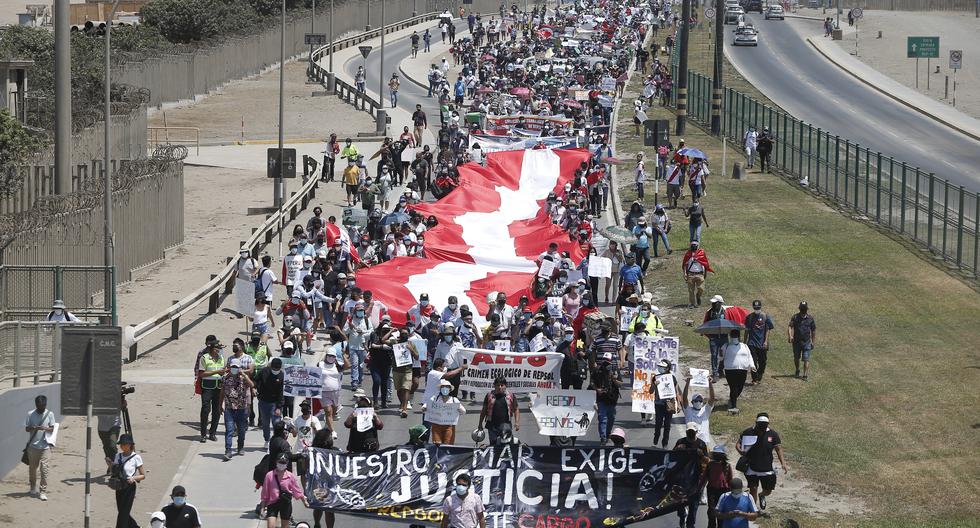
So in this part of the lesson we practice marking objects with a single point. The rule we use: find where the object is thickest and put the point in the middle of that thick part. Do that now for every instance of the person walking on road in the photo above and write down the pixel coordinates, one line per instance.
(464, 508)
(716, 342)
(359, 78)
(695, 267)
(751, 141)
(500, 413)
(737, 360)
(757, 445)
(664, 406)
(802, 335)
(716, 480)
(179, 513)
(235, 396)
(420, 123)
(446, 409)
(605, 383)
(278, 491)
(735, 509)
(757, 327)
(210, 369)
(269, 392)
(415, 44)
(393, 85)
(40, 422)
(128, 467)
(691, 442)
(329, 159)
(426, 40)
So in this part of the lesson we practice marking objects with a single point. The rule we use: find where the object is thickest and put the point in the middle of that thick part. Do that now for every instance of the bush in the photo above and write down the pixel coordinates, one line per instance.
(17, 144)
(185, 21)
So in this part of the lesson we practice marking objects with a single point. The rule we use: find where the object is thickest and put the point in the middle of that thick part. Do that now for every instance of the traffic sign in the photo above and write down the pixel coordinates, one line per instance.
(315, 39)
(955, 59)
(857, 12)
(288, 163)
(709, 13)
(365, 50)
(923, 48)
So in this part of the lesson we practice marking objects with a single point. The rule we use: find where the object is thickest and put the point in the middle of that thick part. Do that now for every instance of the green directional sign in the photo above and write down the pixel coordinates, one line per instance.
(923, 48)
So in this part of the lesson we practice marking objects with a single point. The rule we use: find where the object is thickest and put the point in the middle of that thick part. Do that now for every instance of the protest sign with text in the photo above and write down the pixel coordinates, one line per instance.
(524, 372)
(563, 412)
(299, 380)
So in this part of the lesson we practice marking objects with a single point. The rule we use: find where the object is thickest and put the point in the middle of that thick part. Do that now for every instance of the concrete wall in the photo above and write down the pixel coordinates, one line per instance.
(14, 406)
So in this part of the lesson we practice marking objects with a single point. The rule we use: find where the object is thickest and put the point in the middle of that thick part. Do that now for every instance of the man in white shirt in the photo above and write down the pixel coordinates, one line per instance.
(291, 264)
(60, 314)
(698, 410)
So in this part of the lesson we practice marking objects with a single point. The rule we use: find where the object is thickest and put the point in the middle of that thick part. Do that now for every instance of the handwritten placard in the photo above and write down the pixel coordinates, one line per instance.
(364, 417)
(403, 356)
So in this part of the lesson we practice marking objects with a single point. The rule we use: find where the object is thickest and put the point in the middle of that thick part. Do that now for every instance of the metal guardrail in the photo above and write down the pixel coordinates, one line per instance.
(941, 217)
(345, 91)
(153, 137)
(27, 291)
(30, 350)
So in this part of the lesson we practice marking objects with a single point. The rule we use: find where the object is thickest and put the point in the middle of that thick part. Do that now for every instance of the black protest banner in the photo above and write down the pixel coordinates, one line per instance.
(521, 486)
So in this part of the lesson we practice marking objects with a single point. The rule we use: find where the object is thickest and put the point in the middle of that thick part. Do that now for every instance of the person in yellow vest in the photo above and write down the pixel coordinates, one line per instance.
(210, 369)
(259, 350)
(352, 177)
(648, 316)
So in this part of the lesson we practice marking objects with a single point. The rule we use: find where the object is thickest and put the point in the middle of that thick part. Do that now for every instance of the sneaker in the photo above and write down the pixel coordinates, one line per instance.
(204, 439)
(240, 452)
(265, 446)
(409, 406)
(404, 414)
(762, 502)
(43, 497)
(797, 373)
(806, 378)
(227, 456)
(213, 437)
(733, 410)
(32, 493)
(333, 434)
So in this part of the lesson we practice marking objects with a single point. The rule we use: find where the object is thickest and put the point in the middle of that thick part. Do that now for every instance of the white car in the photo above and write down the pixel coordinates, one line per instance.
(775, 12)
(733, 14)
(746, 36)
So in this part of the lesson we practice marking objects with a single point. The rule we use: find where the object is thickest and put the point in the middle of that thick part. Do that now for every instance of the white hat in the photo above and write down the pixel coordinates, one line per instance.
(692, 426)
(235, 362)
(762, 418)
(445, 383)
(654, 308)
(718, 299)
(287, 344)
(158, 516)
(647, 297)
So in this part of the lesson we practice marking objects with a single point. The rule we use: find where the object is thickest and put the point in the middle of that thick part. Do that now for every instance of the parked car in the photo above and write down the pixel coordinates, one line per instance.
(732, 14)
(775, 12)
(746, 35)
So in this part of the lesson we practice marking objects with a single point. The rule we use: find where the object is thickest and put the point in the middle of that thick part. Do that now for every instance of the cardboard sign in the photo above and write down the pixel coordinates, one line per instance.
(547, 269)
(501, 345)
(563, 412)
(600, 267)
(554, 306)
(442, 412)
(699, 377)
(300, 380)
(403, 356)
(665, 386)
(364, 417)
(539, 343)
(626, 315)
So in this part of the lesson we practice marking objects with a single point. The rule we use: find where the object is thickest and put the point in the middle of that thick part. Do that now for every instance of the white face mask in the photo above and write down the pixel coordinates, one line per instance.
(282, 466)
(698, 405)
(235, 371)
(444, 391)
(734, 340)
(737, 493)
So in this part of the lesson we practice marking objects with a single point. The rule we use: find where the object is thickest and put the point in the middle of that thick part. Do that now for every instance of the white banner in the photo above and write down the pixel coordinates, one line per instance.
(524, 372)
(563, 412)
(441, 412)
(403, 356)
(300, 380)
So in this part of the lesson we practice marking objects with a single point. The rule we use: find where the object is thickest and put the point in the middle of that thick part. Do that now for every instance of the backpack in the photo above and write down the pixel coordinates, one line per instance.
(117, 478)
(260, 470)
(259, 288)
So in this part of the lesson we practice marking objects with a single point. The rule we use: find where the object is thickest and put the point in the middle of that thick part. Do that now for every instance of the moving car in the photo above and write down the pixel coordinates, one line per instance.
(746, 36)
(752, 5)
(732, 14)
(775, 12)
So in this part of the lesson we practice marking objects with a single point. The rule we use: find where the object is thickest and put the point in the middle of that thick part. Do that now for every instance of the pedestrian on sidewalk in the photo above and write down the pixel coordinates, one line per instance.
(128, 468)
(278, 491)
(39, 423)
(764, 149)
(180, 513)
(757, 327)
(427, 40)
(269, 392)
(737, 360)
(210, 369)
(415, 44)
(359, 78)
(235, 395)
(640, 175)
(329, 159)
(661, 226)
(393, 85)
(802, 335)
(695, 267)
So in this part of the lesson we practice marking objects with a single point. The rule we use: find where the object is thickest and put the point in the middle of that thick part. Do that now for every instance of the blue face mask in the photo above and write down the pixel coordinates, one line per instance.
(292, 251)
(568, 338)
(448, 339)
(462, 490)
(180, 501)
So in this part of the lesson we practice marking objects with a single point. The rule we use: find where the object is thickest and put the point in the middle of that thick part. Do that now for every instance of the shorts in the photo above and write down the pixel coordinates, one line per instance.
(330, 398)
(281, 509)
(416, 373)
(442, 434)
(768, 481)
(673, 191)
(352, 189)
(802, 351)
(403, 380)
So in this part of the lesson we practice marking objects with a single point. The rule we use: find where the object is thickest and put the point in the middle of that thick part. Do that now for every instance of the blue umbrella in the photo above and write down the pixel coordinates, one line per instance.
(394, 218)
(692, 153)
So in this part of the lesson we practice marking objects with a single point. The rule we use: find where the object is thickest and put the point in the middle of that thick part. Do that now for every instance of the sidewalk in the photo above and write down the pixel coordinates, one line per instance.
(416, 70)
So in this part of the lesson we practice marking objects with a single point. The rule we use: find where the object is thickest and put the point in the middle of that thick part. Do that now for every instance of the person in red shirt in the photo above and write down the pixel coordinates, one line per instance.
(695, 267)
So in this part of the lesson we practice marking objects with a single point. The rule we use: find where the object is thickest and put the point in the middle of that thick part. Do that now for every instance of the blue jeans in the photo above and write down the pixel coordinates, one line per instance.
(695, 232)
(697, 191)
(380, 377)
(691, 509)
(360, 87)
(239, 419)
(716, 345)
(432, 86)
(642, 257)
(657, 237)
(356, 372)
(639, 190)
(267, 412)
(394, 98)
(607, 418)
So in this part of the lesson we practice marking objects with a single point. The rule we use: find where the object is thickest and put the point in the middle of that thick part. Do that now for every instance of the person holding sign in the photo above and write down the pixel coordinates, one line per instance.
(698, 411)
(442, 411)
(667, 401)
(364, 425)
(404, 356)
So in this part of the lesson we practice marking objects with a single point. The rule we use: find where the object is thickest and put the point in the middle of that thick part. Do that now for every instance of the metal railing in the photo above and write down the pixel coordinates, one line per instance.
(153, 137)
(940, 216)
(27, 291)
(224, 280)
(30, 350)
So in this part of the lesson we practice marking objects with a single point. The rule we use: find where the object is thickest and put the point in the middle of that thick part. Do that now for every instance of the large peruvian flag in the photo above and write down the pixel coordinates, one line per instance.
(491, 230)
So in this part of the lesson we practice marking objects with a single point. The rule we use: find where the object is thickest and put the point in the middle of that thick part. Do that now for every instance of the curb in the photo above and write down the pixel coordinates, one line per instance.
(894, 97)
(411, 79)
(802, 17)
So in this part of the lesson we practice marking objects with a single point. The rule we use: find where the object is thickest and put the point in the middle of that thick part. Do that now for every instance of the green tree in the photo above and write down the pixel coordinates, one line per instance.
(17, 144)
(185, 21)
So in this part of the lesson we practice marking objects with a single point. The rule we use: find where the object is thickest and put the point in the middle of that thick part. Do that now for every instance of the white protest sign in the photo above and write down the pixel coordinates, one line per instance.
(403, 356)
(749, 441)
(574, 275)
(665, 386)
(547, 268)
(421, 347)
(364, 417)
(600, 267)
(666, 347)
(539, 343)
(563, 412)
(554, 306)
(699, 377)
(525, 372)
(300, 380)
(642, 395)
(501, 345)
(626, 315)
(442, 412)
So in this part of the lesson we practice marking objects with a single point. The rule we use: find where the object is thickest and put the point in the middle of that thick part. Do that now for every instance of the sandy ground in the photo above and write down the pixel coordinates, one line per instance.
(256, 100)
(888, 54)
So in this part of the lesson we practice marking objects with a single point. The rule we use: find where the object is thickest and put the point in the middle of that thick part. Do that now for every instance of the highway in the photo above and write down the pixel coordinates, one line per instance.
(796, 77)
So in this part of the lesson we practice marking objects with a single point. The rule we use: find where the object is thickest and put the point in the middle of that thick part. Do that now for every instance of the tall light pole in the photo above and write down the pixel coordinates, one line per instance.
(280, 183)
(110, 262)
(682, 69)
(312, 30)
(330, 44)
(381, 69)
(717, 81)
(62, 98)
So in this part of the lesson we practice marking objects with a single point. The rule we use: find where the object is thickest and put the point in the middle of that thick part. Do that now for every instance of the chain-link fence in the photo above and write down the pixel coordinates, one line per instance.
(27, 292)
(29, 351)
(939, 215)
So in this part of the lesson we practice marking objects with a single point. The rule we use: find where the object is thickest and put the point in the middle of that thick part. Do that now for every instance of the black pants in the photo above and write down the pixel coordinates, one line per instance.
(764, 161)
(209, 406)
(108, 439)
(736, 382)
(124, 505)
(760, 356)
(327, 174)
(713, 496)
(571, 381)
(661, 423)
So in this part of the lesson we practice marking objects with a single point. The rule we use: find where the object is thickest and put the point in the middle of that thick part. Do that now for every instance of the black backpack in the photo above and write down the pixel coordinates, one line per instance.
(117, 478)
(261, 470)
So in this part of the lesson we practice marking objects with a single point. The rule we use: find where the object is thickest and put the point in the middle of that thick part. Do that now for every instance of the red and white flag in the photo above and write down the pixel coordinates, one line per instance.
(491, 230)
(333, 232)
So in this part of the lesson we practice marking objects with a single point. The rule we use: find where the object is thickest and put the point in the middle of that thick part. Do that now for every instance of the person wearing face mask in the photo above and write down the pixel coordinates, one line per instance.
(357, 329)
(499, 409)
(433, 382)
(698, 411)
(305, 427)
(574, 364)
(716, 480)
(333, 366)
(442, 411)
(420, 314)
(279, 489)
(158, 520)
(291, 264)
(179, 513)
(605, 381)
(648, 317)
(269, 392)
(60, 314)
(464, 507)
(716, 343)
(736, 508)
(246, 270)
(757, 327)
(363, 441)
(757, 444)
(688, 512)
(664, 408)
(505, 311)
(380, 360)
(802, 333)
(696, 268)
(451, 313)
(737, 359)
(234, 398)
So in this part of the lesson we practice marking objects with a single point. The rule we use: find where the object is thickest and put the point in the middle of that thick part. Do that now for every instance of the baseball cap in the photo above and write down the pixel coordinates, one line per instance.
(757, 304)
(692, 426)
(762, 417)
(445, 383)
(210, 340)
(307, 258)
(287, 344)
(718, 298)
(235, 362)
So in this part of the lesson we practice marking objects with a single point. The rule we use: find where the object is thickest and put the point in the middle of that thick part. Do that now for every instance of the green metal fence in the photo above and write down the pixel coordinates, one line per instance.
(939, 215)
(26, 292)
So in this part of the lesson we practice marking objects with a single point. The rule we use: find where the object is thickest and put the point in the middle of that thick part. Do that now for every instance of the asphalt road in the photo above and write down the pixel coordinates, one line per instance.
(796, 77)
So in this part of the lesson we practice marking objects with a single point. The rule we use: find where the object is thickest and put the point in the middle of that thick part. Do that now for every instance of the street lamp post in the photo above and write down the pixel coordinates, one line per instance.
(716, 83)
(330, 44)
(110, 278)
(62, 98)
(381, 69)
(682, 69)
(280, 183)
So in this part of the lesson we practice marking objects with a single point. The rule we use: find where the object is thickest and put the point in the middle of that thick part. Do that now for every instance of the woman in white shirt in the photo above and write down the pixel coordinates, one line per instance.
(130, 466)
(615, 254)
(738, 363)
